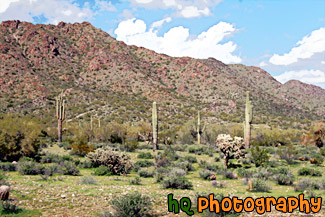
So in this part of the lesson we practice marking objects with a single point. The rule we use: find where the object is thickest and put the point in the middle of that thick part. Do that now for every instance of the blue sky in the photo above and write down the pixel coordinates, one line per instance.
(286, 38)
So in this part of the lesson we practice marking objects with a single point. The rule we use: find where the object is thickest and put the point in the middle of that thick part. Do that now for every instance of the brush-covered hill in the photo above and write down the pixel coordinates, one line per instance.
(105, 77)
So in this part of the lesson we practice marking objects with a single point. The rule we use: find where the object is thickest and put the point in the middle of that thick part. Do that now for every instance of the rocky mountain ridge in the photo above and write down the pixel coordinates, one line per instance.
(105, 77)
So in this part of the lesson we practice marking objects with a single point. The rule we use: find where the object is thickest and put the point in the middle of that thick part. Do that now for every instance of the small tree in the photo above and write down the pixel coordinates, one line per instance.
(259, 156)
(231, 148)
(80, 146)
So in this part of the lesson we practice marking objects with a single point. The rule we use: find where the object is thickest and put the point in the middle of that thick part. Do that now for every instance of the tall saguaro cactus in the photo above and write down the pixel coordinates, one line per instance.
(199, 128)
(155, 134)
(154, 126)
(248, 120)
(199, 131)
(60, 114)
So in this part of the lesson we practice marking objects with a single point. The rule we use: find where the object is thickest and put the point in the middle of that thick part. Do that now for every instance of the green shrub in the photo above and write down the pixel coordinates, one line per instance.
(88, 180)
(19, 136)
(87, 164)
(54, 158)
(135, 181)
(259, 156)
(209, 166)
(308, 184)
(3, 179)
(102, 171)
(244, 173)
(147, 147)
(259, 185)
(273, 163)
(50, 158)
(198, 150)
(288, 153)
(26, 159)
(229, 175)
(181, 148)
(145, 155)
(145, 173)
(143, 163)
(117, 163)
(309, 172)
(263, 173)
(176, 172)
(317, 173)
(29, 168)
(218, 184)
(205, 174)
(80, 146)
(282, 170)
(283, 179)
(50, 170)
(185, 165)
(177, 182)
(9, 209)
(69, 168)
(170, 154)
(132, 204)
(161, 173)
(322, 151)
(7, 166)
(64, 145)
(130, 145)
(190, 159)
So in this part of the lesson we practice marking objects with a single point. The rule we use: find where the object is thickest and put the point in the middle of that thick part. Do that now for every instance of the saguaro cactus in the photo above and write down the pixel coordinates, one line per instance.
(248, 120)
(155, 134)
(60, 114)
(154, 126)
(199, 128)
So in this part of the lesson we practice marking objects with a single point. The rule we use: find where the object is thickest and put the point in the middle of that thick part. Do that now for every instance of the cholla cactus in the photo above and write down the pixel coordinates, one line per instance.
(118, 163)
(232, 148)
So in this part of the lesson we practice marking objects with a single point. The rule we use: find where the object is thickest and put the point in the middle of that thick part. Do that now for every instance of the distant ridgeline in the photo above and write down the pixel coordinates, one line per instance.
(104, 77)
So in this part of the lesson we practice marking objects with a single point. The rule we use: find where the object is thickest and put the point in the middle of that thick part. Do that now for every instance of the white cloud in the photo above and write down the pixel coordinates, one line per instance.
(177, 42)
(191, 11)
(105, 5)
(143, 1)
(53, 10)
(316, 77)
(4, 4)
(131, 27)
(159, 23)
(306, 48)
(67, 12)
(170, 3)
(263, 63)
(322, 62)
(183, 8)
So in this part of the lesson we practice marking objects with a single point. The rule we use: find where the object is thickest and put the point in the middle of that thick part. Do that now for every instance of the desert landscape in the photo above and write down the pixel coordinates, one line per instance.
(93, 126)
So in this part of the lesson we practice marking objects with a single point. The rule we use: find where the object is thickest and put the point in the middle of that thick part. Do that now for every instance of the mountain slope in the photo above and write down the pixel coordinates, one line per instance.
(103, 76)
